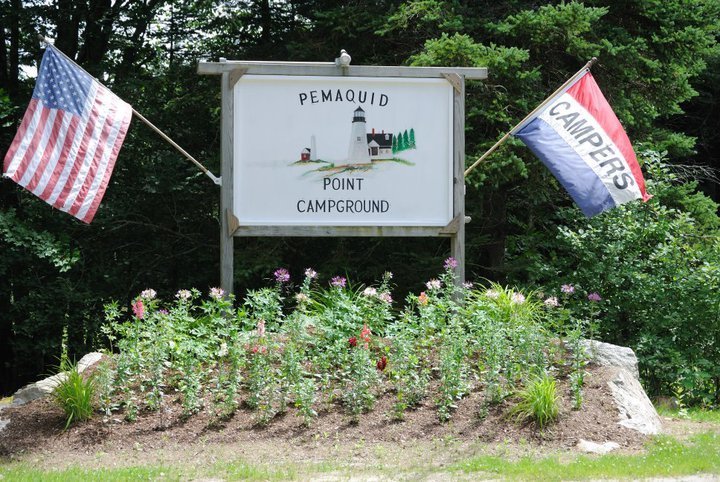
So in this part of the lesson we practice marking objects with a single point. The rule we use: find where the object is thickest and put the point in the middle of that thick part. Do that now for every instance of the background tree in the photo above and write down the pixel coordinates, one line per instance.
(158, 224)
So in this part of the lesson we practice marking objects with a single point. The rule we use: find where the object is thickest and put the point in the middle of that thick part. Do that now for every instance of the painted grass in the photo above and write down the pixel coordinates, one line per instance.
(665, 457)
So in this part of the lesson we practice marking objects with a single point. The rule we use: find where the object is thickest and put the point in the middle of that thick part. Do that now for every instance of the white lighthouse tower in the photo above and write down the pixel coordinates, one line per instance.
(358, 151)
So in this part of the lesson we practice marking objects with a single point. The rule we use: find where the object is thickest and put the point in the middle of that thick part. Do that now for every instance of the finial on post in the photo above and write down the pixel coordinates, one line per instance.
(344, 59)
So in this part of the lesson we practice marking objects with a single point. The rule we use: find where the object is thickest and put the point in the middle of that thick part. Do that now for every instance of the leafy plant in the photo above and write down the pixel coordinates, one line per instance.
(538, 402)
(74, 393)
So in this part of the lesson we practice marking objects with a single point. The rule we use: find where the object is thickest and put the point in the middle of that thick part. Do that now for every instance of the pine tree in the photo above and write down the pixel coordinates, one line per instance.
(412, 138)
(400, 145)
(394, 144)
(406, 141)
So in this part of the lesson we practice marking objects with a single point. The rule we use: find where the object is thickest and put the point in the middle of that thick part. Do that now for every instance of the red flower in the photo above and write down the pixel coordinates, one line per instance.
(381, 363)
(352, 341)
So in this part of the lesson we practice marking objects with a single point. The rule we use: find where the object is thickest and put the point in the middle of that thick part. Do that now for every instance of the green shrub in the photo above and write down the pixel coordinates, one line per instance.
(74, 394)
(538, 402)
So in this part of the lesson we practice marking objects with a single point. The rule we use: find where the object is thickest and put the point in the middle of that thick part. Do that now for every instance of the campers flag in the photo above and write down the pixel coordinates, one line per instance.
(579, 138)
(69, 138)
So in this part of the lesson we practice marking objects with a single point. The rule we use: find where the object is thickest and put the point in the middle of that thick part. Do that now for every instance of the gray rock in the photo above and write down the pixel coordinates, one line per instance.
(596, 448)
(635, 409)
(46, 386)
(607, 355)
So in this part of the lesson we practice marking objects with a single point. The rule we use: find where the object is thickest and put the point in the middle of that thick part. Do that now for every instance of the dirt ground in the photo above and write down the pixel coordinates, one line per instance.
(35, 433)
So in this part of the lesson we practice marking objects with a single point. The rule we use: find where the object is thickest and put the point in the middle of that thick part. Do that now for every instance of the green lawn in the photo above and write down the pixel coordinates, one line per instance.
(664, 457)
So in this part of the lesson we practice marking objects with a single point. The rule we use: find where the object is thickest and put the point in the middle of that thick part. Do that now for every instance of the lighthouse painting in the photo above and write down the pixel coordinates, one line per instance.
(358, 151)
(364, 147)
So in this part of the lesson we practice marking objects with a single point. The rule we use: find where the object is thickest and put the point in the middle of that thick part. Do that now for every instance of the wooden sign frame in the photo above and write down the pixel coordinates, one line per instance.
(232, 71)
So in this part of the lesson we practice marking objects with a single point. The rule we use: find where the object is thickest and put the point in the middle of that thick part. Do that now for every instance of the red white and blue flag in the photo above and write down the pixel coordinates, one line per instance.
(69, 138)
(579, 138)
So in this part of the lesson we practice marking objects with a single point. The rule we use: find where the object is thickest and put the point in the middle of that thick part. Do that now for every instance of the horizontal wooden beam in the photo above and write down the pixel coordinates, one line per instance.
(330, 69)
(343, 231)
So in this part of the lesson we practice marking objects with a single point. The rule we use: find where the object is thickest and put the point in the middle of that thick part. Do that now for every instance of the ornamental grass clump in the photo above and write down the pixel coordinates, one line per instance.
(538, 403)
(74, 394)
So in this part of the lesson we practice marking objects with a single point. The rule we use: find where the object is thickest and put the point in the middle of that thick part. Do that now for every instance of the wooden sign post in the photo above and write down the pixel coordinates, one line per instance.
(329, 149)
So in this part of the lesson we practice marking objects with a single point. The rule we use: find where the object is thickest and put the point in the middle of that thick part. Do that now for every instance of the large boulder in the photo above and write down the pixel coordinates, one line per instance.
(46, 386)
(635, 411)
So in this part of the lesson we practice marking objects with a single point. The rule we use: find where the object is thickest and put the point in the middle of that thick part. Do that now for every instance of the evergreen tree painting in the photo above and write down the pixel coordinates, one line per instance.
(394, 145)
(405, 140)
(412, 139)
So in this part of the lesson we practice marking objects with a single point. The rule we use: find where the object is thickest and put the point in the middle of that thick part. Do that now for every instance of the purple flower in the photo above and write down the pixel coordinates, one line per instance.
(569, 289)
(282, 275)
(386, 297)
(451, 263)
(338, 281)
(594, 297)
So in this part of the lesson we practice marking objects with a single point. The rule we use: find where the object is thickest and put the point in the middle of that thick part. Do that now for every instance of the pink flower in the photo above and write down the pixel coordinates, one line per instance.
(282, 275)
(386, 297)
(594, 297)
(261, 328)
(451, 263)
(338, 281)
(569, 289)
(365, 334)
(138, 309)
(310, 273)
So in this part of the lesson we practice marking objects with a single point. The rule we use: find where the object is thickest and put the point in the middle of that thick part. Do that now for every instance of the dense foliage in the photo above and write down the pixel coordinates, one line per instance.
(312, 347)
(654, 265)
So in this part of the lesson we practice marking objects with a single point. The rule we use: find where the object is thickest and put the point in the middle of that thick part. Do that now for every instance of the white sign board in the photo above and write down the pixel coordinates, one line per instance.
(342, 151)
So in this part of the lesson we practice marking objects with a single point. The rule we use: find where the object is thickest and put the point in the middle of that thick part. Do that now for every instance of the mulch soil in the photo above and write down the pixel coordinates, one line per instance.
(38, 426)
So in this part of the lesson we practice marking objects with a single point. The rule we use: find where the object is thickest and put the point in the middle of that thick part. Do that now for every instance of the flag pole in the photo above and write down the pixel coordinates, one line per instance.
(570, 81)
(215, 179)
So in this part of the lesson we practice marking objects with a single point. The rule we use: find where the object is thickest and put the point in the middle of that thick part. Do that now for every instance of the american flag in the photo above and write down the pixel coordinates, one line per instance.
(69, 138)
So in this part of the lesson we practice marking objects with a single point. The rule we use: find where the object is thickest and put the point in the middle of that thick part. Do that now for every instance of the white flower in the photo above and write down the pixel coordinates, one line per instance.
(467, 285)
(217, 293)
(223, 349)
(301, 298)
(492, 294)
(310, 273)
(517, 298)
(183, 295)
(552, 302)
(148, 294)
(370, 291)
(433, 284)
